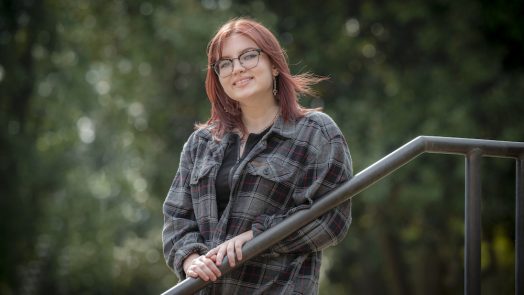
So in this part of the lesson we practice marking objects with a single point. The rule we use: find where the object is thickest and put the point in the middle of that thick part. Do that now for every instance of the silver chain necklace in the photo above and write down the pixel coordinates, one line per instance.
(243, 139)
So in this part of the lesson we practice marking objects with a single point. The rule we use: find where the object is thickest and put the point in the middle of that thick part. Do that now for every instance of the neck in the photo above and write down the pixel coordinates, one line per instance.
(257, 119)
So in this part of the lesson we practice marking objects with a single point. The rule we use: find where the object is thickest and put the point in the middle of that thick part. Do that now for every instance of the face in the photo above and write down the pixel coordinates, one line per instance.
(252, 86)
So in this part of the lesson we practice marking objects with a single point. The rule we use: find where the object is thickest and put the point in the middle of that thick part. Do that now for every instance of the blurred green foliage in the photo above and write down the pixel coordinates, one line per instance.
(97, 98)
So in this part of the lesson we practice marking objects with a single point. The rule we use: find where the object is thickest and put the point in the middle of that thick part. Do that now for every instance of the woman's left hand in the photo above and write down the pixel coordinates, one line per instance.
(232, 248)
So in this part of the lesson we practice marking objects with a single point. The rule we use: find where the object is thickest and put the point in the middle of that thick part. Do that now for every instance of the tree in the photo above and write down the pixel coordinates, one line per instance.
(97, 98)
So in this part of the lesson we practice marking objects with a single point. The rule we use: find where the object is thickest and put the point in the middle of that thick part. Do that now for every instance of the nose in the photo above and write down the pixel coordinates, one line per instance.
(237, 66)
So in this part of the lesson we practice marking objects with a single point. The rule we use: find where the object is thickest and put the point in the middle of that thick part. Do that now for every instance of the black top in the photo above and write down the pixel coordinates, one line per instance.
(231, 159)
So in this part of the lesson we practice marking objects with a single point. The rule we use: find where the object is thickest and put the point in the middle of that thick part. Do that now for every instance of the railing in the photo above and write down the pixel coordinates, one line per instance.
(472, 149)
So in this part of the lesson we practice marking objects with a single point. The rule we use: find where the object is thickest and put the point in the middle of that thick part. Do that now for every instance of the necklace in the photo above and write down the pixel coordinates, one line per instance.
(243, 139)
(269, 124)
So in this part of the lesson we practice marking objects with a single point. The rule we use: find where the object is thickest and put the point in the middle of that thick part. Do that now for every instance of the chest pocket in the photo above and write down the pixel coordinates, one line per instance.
(272, 169)
(200, 171)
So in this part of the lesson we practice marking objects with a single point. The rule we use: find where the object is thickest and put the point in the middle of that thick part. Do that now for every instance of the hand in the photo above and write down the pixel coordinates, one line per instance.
(201, 266)
(232, 248)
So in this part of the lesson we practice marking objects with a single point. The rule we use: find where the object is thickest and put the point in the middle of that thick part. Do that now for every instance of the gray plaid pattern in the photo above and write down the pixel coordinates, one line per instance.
(293, 165)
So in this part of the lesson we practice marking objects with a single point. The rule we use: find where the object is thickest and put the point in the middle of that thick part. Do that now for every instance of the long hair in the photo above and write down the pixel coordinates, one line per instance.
(225, 112)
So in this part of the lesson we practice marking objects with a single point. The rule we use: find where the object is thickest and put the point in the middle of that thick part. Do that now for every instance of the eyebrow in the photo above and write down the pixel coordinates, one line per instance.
(240, 53)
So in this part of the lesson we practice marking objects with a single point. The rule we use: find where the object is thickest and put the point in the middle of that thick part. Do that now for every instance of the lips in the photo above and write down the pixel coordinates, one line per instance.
(242, 81)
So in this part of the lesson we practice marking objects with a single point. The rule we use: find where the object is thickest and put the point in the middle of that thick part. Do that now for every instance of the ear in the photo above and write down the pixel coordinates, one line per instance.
(274, 71)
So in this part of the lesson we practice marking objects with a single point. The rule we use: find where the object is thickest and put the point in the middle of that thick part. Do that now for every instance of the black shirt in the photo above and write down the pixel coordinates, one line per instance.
(231, 159)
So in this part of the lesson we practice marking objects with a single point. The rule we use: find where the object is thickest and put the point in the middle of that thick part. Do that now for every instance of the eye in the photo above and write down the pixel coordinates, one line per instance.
(249, 55)
(224, 64)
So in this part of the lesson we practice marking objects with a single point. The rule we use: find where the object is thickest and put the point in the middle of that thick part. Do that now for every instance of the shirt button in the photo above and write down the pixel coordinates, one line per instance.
(266, 171)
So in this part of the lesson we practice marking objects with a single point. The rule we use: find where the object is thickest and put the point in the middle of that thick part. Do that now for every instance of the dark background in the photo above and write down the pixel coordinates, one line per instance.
(97, 98)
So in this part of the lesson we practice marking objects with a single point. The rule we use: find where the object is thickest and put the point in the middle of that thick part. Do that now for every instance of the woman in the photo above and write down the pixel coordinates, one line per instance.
(260, 158)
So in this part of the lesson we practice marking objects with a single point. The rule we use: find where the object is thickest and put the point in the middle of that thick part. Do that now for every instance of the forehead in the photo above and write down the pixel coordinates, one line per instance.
(235, 44)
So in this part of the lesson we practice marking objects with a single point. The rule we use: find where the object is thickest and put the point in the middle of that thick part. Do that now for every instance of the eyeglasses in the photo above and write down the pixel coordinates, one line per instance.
(248, 60)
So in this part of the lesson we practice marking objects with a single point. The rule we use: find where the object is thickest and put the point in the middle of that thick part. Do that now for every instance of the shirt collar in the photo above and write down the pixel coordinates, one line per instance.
(281, 127)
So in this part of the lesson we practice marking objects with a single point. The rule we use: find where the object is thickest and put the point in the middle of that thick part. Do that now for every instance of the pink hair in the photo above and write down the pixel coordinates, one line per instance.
(225, 112)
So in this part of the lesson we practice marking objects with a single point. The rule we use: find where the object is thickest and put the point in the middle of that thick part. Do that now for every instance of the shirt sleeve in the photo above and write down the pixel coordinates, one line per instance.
(180, 235)
(329, 168)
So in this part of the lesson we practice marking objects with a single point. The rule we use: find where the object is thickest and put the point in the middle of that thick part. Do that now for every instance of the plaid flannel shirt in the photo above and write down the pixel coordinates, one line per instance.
(293, 165)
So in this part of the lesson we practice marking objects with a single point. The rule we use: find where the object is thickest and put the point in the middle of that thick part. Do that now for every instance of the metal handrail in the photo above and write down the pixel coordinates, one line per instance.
(473, 149)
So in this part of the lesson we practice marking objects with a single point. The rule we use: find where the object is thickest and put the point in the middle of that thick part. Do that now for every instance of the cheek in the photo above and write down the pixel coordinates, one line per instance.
(228, 89)
(267, 77)
(268, 80)
(225, 86)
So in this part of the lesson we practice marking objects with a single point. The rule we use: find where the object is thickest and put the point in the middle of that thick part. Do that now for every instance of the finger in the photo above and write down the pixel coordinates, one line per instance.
(220, 255)
(238, 249)
(231, 253)
(209, 273)
(204, 271)
(211, 252)
(214, 257)
(213, 268)
(200, 273)
(191, 273)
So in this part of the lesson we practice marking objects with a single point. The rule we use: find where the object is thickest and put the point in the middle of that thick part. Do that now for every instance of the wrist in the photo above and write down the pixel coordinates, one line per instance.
(189, 260)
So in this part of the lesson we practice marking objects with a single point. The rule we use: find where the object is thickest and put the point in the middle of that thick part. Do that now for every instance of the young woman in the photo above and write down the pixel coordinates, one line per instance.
(260, 158)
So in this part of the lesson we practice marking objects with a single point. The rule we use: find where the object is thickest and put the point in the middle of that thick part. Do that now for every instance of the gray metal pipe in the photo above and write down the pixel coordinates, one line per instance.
(472, 223)
(519, 228)
(462, 146)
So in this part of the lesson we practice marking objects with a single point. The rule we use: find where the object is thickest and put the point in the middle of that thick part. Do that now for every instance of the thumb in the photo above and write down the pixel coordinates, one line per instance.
(211, 252)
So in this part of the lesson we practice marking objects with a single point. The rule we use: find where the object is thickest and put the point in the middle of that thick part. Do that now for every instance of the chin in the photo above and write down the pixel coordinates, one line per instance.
(243, 96)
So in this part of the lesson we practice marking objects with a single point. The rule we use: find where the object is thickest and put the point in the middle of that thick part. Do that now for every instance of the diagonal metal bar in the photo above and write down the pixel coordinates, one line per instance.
(361, 181)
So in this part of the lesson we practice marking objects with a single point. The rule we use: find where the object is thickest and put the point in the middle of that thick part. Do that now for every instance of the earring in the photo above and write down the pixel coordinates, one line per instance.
(275, 91)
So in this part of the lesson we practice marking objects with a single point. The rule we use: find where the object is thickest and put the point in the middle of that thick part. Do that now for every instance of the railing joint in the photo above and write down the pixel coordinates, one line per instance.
(476, 151)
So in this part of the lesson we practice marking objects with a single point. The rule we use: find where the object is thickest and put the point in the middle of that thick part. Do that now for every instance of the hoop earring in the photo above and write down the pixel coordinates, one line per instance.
(275, 91)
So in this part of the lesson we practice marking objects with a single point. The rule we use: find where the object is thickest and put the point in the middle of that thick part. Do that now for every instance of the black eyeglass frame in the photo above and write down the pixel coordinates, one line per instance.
(217, 71)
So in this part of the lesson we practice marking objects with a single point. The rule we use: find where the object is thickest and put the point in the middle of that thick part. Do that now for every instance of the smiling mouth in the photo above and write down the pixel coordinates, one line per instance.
(242, 82)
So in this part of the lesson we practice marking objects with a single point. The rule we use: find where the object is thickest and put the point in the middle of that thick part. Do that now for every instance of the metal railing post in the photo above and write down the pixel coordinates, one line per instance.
(519, 227)
(472, 224)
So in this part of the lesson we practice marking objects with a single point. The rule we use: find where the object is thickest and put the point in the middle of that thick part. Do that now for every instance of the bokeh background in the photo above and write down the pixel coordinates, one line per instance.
(97, 98)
